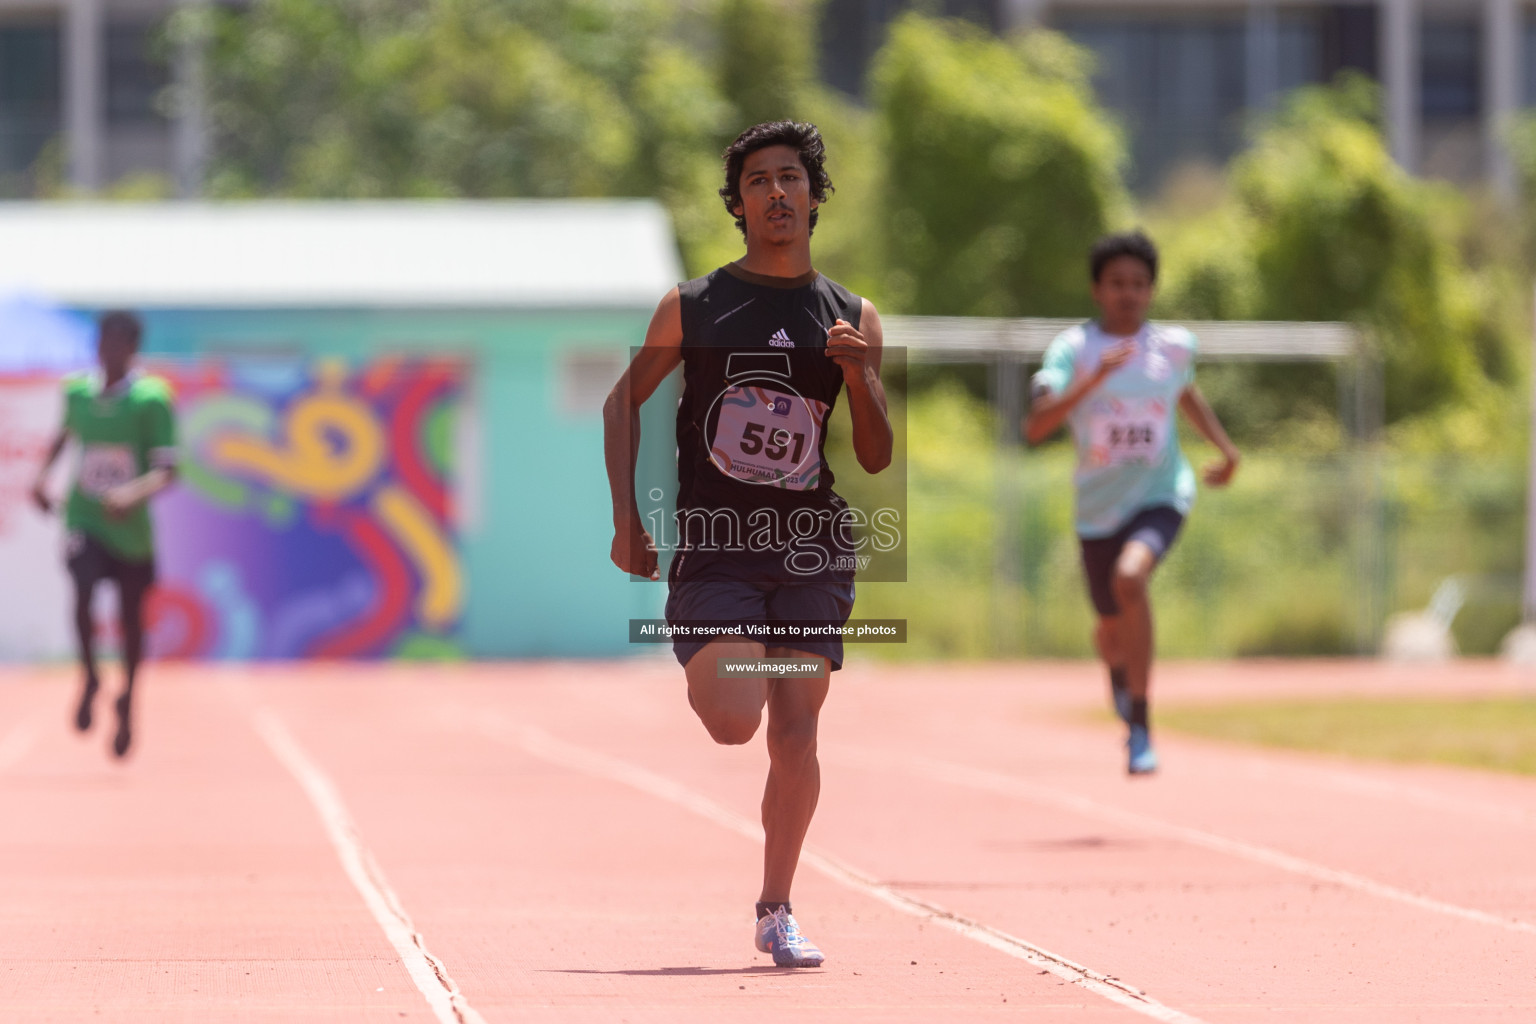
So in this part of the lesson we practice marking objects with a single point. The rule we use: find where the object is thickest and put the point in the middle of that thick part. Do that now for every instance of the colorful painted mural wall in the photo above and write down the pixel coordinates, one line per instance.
(314, 517)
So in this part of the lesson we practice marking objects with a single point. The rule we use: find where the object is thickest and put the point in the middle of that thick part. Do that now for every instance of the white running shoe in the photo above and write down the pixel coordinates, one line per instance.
(777, 933)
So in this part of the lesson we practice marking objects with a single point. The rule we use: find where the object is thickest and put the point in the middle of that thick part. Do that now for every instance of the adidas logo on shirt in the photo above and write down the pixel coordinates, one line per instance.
(780, 339)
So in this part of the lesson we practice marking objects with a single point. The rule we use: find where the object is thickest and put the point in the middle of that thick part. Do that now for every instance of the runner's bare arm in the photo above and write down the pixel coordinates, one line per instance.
(40, 496)
(140, 489)
(1049, 410)
(1200, 414)
(632, 549)
(857, 351)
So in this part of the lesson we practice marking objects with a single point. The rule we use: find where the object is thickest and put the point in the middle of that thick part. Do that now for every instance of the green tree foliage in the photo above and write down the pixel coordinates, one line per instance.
(973, 185)
(683, 123)
(1320, 224)
(768, 56)
(494, 98)
(1520, 136)
(1344, 234)
(364, 98)
(999, 169)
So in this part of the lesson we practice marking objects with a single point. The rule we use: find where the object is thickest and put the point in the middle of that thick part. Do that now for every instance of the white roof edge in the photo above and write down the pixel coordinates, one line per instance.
(302, 254)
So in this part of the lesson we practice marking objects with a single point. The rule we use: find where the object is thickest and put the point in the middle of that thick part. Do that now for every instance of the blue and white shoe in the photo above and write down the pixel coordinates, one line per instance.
(1143, 759)
(778, 934)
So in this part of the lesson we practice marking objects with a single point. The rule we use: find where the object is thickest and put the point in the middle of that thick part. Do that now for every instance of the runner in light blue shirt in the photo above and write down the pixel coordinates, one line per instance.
(1116, 382)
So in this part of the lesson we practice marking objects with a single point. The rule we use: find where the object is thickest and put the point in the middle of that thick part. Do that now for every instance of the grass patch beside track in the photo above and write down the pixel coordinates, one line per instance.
(1497, 733)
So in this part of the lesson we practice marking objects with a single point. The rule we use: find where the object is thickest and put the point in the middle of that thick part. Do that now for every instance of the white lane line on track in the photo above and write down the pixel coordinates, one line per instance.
(17, 742)
(431, 977)
(547, 748)
(1010, 785)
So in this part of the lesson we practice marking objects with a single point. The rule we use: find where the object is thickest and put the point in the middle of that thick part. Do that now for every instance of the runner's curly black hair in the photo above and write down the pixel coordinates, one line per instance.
(804, 137)
(1129, 243)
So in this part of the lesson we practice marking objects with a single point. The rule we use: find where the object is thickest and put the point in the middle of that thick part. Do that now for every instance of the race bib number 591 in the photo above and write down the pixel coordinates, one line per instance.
(764, 436)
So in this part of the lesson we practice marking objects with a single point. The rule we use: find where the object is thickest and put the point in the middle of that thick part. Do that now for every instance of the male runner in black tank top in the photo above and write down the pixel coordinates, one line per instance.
(766, 345)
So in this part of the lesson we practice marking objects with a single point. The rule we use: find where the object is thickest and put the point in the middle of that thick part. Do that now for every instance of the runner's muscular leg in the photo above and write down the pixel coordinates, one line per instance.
(85, 639)
(1133, 626)
(794, 774)
(1106, 637)
(130, 605)
(731, 708)
(85, 628)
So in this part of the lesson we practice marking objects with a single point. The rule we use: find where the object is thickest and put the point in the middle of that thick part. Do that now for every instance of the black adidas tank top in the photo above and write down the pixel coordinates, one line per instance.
(758, 393)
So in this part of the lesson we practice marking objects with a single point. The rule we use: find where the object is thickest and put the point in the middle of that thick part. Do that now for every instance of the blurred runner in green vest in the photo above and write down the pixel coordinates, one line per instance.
(126, 431)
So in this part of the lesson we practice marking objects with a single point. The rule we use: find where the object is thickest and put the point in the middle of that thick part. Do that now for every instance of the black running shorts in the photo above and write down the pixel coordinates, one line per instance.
(1157, 528)
(749, 603)
(90, 561)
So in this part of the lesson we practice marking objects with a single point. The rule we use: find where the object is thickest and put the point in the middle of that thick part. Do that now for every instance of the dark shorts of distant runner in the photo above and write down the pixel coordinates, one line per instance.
(90, 561)
(1156, 527)
(828, 602)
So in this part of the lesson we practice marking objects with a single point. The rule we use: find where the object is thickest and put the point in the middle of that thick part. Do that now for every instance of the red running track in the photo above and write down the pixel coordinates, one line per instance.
(561, 842)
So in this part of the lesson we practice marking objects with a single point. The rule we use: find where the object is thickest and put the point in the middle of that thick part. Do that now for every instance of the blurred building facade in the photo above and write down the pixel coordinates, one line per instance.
(1185, 77)
(84, 101)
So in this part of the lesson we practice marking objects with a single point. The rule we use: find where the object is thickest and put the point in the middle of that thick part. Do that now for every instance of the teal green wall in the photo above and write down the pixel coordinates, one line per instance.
(540, 583)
